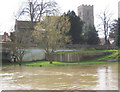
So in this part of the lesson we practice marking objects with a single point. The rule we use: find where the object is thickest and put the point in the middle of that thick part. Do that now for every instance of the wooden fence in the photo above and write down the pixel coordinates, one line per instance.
(77, 57)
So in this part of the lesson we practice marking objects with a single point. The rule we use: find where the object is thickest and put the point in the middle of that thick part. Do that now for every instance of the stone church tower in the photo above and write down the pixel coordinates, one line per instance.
(86, 13)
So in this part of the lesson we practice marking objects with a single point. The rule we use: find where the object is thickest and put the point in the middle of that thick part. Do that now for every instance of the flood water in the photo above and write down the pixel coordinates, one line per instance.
(87, 77)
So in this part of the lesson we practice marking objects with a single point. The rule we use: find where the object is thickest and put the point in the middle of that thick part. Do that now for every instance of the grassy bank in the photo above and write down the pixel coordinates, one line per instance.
(113, 57)
(85, 51)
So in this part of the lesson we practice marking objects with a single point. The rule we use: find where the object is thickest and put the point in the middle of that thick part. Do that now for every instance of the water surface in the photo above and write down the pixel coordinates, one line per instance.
(87, 77)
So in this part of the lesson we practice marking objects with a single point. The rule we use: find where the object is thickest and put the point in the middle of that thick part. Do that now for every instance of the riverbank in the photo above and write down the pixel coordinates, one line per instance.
(114, 56)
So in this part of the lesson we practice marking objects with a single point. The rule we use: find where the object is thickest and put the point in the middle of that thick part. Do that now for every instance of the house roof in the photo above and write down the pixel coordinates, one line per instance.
(24, 24)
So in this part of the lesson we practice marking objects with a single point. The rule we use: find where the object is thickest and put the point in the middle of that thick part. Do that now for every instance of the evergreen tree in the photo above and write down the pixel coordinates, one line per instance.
(76, 27)
(91, 36)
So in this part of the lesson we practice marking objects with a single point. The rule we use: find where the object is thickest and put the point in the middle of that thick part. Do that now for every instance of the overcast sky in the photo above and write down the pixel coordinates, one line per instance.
(8, 9)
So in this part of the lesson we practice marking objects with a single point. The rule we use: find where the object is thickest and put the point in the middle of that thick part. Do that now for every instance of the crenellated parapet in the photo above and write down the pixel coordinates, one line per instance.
(85, 5)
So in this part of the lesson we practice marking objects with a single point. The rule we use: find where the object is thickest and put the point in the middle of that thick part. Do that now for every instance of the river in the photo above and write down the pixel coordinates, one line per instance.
(85, 77)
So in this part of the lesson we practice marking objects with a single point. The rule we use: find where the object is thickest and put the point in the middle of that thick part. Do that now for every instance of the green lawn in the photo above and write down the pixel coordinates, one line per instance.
(84, 51)
(112, 57)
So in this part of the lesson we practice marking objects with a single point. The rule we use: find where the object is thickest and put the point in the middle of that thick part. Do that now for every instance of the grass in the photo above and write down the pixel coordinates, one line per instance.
(84, 51)
(112, 57)
(56, 63)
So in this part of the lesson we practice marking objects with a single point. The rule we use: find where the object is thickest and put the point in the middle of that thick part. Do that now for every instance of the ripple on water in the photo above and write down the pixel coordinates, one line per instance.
(6, 74)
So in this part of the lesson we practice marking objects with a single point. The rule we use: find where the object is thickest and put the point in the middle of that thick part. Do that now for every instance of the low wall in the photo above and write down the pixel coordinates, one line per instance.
(5, 55)
(76, 57)
(97, 47)
(34, 54)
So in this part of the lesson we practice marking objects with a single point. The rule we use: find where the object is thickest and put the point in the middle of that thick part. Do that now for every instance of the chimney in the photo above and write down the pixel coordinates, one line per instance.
(5, 36)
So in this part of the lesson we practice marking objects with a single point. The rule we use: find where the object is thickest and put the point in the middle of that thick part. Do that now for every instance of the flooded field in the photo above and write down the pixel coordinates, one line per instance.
(87, 77)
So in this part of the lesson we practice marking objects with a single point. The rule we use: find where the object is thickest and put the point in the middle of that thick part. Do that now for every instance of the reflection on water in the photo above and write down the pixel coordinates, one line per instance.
(108, 77)
(87, 77)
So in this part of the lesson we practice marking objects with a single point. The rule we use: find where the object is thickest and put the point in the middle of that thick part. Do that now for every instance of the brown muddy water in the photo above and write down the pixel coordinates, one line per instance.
(87, 77)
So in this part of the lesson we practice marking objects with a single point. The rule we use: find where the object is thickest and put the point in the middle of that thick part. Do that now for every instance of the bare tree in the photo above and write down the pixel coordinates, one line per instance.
(18, 46)
(106, 21)
(36, 8)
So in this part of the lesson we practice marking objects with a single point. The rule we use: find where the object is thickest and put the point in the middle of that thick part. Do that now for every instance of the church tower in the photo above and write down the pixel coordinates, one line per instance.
(86, 13)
